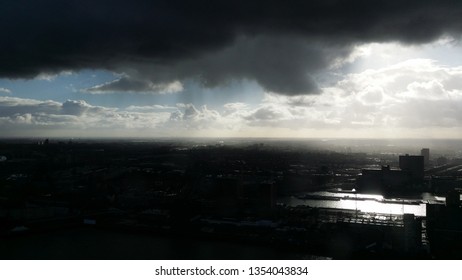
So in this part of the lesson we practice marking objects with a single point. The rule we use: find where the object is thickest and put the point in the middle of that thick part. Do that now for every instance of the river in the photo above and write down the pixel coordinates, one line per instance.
(363, 202)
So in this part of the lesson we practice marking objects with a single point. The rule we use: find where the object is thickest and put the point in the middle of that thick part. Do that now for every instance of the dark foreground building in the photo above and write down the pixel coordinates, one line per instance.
(444, 227)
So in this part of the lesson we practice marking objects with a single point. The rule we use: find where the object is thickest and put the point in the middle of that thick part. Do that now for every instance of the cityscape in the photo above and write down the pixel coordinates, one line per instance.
(229, 199)
(231, 130)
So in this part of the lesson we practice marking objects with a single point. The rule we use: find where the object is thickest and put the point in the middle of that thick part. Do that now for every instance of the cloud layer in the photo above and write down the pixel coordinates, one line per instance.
(4, 90)
(283, 46)
(73, 118)
(414, 98)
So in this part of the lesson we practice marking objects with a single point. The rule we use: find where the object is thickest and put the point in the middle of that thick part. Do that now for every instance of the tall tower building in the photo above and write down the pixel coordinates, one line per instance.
(425, 152)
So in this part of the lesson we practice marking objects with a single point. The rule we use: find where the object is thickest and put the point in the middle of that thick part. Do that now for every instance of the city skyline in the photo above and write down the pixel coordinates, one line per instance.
(339, 69)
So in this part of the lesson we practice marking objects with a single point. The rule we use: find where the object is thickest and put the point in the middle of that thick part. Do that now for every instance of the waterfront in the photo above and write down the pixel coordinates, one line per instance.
(362, 202)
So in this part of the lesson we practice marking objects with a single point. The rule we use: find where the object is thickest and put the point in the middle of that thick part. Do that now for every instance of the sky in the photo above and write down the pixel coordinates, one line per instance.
(177, 68)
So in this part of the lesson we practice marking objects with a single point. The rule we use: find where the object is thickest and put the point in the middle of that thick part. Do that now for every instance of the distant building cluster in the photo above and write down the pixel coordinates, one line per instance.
(409, 176)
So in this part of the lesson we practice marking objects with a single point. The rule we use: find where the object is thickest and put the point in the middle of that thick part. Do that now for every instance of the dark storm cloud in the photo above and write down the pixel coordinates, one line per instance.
(282, 45)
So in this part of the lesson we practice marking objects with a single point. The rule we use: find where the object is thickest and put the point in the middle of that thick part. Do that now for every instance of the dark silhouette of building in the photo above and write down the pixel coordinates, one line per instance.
(414, 165)
(382, 180)
(444, 227)
(443, 184)
(409, 177)
(425, 152)
(412, 233)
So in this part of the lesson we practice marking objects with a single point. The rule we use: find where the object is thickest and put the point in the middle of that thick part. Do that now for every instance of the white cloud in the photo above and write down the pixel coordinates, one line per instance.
(150, 108)
(230, 108)
(189, 117)
(414, 94)
(5, 90)
(414, 98)
(52, 76)
(30, 117)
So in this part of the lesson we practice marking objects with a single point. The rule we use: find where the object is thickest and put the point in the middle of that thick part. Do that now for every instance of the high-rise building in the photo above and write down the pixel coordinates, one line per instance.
(383, 180)
(414, 165)
(425, 152)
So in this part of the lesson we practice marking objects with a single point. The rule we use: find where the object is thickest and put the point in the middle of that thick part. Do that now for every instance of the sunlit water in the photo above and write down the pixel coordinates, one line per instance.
(372, 203)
